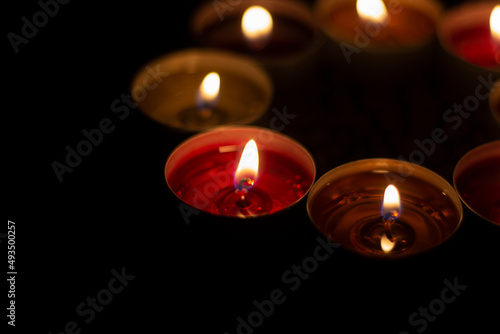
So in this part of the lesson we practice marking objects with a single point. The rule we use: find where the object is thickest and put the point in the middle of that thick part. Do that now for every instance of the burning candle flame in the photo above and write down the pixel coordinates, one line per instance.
(391, 204)
(372, 10)
(209, 89)
(257, 25)
(386, 244)
(495, 23)
(391, 209)
(248, 167)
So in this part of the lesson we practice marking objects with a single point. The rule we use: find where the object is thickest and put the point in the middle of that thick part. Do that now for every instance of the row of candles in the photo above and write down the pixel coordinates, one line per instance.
(375, 207)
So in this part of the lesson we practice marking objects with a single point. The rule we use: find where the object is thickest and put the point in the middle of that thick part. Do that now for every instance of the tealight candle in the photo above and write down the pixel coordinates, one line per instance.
(471, 32)
(202, 89)
(278, 33)
(477, 180)
(384, 208)
(240, 171)
(376, 34)
(395, 25)
(495, 101)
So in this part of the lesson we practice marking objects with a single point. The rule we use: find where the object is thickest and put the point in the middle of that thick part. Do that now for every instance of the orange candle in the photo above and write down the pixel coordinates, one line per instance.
(378, 24)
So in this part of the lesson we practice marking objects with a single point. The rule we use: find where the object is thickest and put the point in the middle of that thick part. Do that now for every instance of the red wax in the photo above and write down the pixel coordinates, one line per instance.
(409, 27)
(201, 172)
(206, 181)
(476, 45)
(479, 186)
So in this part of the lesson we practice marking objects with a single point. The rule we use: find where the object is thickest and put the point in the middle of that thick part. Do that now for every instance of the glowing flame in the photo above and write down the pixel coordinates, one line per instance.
(248, 167)
(391, 209)
(495, 23)
(372, 10)
(391, 205)
(257, 25)
(209, 89)
(386, 244)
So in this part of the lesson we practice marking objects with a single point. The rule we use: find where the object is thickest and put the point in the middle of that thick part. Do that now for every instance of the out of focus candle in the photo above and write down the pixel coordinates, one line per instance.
(471, 32)
(203, 89)
(375, 24)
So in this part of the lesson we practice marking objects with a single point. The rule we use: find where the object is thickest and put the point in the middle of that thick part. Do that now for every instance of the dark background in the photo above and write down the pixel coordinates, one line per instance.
(115, 211)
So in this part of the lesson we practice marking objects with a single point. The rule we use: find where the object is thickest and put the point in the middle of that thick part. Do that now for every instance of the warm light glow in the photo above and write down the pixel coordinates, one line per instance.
(495, 23)
(391, 203)
(248, 166)
(256, 24)
(386, 244)
(209, 88)
(372, 10)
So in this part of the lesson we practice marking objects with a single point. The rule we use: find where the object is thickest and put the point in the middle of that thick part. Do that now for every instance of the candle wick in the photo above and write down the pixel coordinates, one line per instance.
(389, 218)
(245, 183)
(242, 191)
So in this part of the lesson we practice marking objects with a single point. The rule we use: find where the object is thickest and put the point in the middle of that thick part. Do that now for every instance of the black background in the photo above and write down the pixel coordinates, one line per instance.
(115, 211)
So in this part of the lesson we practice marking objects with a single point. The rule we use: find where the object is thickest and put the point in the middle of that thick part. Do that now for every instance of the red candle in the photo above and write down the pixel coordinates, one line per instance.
(397, 24)
(349, 205)
(203, 171)
(477, 180)
(476, 46)
(470, 33)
